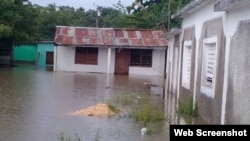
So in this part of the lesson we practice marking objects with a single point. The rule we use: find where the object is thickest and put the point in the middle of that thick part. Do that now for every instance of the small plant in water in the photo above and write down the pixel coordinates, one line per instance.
(140, 108)
(148, 112)
(61, 137)
(113, 108)
(97, 136)
(187, 108)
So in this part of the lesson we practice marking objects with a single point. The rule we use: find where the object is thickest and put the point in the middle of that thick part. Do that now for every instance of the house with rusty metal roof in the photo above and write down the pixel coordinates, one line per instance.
(109, 50)
(208, 60)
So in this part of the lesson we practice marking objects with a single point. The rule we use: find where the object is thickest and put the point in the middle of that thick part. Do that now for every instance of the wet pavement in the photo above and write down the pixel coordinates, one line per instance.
(36, 103)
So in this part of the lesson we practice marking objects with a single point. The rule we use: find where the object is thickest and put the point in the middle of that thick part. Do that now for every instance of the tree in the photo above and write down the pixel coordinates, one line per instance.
(29, 23)
(18, 21)
(154, 13)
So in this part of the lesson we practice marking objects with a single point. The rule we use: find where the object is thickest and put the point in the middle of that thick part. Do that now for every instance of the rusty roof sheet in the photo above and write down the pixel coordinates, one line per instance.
(108, 37)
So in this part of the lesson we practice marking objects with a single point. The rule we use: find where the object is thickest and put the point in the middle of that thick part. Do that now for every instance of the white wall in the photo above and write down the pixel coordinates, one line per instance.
(157, 65)
(199, 17)
(233, 17)
(231, 20)
(65, 57)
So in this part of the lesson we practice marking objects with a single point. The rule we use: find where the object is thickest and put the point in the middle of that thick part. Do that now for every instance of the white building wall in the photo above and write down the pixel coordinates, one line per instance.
(66, 61)
(157, 65)
(199, 17)
(233, 17)
(231, 20)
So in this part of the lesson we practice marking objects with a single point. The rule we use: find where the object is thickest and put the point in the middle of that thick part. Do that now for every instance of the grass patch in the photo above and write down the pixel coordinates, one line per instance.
(148, 112)
(187, 108)
(61, 137)
(97, 135)
(113, 108)
(139, 107)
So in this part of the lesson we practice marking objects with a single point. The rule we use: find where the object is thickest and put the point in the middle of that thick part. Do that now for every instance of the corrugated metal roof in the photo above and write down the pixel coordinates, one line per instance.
(108, 37)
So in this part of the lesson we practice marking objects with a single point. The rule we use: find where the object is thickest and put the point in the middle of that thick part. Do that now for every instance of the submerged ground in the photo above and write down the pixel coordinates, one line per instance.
(36, 105)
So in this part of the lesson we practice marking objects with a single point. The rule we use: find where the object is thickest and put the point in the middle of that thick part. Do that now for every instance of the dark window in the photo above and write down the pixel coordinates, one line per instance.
(141, 57)
(86, 55)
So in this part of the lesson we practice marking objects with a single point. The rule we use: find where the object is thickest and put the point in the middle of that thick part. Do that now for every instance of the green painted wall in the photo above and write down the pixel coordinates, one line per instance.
(25, 53)
(42, 48)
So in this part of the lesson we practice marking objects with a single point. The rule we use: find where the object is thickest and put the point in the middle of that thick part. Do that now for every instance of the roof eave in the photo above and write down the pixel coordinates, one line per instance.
(173, 32)
(190, 8)
(226, 5)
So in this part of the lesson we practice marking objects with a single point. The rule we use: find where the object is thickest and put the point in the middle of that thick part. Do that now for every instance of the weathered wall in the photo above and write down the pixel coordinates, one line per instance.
(238, 96)
(42, 48)
(171, 86)
(25, 54)
(158, 64)
(65, 57)
(210, 107)
(188, 35)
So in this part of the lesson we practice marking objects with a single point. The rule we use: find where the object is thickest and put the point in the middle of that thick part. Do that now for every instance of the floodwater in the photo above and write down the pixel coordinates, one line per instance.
(36, 103)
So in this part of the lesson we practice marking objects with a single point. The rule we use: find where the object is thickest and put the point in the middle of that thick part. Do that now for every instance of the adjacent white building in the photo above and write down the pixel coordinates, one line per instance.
(208, 60)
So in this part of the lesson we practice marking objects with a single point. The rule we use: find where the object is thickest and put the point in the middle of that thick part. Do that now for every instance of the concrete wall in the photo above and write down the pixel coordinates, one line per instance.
(158, 65)
(231, 29)
(238, 67)
(210, 107)
(195, 28)
(42, 48)
(25, 54)
(238, 80)
(65, 61)
(188, 34)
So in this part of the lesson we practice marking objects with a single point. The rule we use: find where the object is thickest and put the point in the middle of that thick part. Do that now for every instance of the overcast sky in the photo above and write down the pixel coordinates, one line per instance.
(86, 4)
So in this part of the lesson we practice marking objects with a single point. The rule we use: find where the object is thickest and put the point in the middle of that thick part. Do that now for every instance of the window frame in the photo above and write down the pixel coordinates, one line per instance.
(186, 64)
(86, 55)
(141, 57)
(208, 87)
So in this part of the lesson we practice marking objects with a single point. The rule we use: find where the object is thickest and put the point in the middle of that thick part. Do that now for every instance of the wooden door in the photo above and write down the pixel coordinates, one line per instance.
(122, 61)
(49, 58)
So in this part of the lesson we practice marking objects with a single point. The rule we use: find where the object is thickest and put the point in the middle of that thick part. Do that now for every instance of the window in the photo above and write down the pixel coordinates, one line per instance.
(85, 55)
(208, 66)
(186, 66)
(141, 57)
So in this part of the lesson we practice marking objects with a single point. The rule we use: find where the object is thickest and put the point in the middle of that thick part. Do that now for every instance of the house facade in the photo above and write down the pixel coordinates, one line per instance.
(208, 60)
(25, 54)
(109, 50)
(40, 53)
(45, 53)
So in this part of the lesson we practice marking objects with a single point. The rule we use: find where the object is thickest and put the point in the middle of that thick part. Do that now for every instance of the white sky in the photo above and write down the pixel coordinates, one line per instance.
(86, 4)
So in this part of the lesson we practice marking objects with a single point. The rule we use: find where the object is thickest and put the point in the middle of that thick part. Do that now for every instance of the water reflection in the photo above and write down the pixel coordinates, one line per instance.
(35, 105)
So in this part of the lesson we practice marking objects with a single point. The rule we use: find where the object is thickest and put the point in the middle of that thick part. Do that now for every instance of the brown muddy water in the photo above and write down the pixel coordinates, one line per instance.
(35, 105)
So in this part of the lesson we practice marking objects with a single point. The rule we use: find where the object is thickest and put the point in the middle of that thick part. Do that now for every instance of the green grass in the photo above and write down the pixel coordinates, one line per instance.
(61, 137)
(139, 107)
(187, 108)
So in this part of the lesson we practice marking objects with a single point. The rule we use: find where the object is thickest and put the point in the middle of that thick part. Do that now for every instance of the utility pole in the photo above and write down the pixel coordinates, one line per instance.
(98, 14)
(169, 14)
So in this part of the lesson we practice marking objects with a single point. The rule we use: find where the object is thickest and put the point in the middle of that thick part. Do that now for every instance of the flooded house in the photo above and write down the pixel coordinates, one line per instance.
(110, 50)
(45, 53)
(208, 59)
(40, 53)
